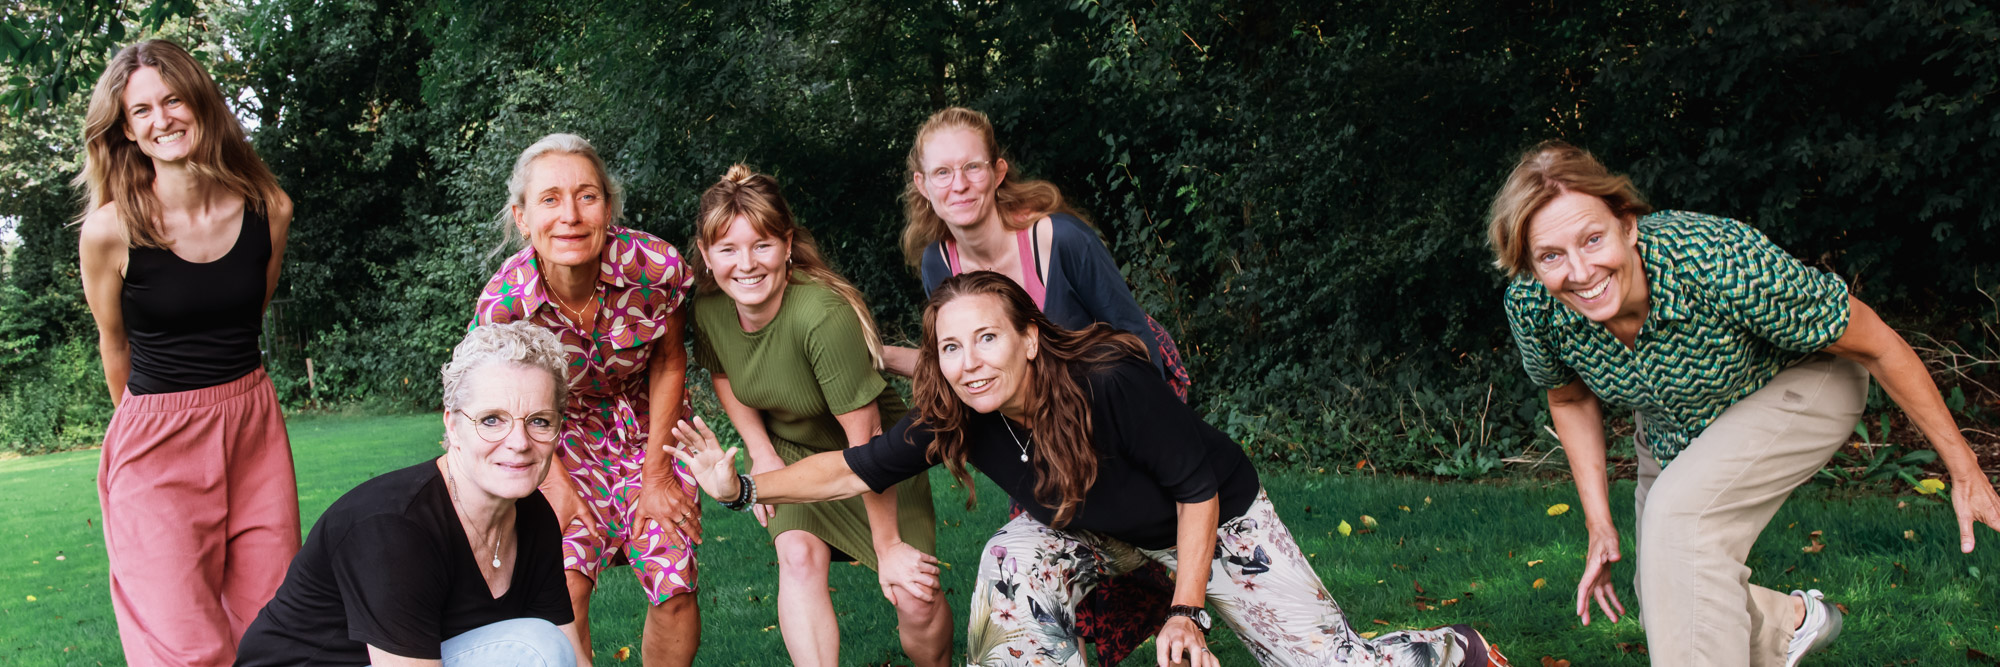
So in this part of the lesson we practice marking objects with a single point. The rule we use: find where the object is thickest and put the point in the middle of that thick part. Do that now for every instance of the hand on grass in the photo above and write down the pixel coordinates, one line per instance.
(714, 468)
(1596, 582)
(1973, 500)
(1180, 642)
(669, 504)
(903, 566)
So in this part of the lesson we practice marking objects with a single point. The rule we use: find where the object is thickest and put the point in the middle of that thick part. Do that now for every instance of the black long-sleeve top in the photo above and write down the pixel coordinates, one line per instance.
(1153, 452)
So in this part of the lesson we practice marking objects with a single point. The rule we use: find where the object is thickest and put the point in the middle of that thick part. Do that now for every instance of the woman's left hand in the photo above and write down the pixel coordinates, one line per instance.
(1973, 499)
(1181, 640)
(666, 502)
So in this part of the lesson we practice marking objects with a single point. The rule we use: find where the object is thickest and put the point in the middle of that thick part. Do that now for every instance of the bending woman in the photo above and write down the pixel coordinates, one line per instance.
(1112, 471)
(182, 243)
(1744, 370)
(790, 346)
(456, 560)
(614, 295)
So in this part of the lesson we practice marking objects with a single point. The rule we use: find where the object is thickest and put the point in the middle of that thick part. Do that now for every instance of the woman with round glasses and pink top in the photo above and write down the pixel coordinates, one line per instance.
(616, 297)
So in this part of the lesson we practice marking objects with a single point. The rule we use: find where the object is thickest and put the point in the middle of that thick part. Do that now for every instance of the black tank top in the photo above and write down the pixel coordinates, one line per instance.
(192, 325)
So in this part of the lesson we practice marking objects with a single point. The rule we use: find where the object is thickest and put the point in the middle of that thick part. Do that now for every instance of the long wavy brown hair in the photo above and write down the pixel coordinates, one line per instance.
(1021, 201)
(1058, 409)
(114, 169)
(753, 196)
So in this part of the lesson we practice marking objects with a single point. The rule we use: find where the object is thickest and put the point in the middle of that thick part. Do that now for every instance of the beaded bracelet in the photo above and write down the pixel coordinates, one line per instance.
(746, 495)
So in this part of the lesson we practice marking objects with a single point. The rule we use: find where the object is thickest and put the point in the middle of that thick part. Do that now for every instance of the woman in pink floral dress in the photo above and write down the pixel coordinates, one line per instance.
(614, 296)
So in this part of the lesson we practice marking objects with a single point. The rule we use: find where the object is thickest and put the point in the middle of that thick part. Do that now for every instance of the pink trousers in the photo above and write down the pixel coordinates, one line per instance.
(201, 518)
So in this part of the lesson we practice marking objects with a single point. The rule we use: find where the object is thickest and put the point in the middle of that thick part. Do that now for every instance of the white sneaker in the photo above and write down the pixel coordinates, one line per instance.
(1821, 625)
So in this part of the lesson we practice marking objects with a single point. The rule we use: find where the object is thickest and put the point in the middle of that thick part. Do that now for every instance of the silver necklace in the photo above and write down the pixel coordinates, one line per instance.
(451, 485)
(1017, 439)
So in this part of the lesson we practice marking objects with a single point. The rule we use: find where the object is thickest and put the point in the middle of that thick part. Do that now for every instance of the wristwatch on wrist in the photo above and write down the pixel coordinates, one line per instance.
(1193, 613)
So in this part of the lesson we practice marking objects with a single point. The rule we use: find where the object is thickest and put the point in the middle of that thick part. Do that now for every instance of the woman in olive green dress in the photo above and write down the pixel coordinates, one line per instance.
(796, 364)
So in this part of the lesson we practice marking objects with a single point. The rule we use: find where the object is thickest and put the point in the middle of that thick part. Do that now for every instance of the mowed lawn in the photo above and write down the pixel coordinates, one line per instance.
(1441, 553)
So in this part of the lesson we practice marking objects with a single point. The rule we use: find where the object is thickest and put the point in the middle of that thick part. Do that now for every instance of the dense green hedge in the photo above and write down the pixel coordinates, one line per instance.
(1296, 189)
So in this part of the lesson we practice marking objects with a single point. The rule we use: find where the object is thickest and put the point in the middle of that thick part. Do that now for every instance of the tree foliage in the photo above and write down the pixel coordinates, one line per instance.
(1296, 188)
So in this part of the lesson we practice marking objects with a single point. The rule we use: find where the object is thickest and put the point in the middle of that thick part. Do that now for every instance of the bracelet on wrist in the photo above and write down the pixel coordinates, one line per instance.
(746, 494)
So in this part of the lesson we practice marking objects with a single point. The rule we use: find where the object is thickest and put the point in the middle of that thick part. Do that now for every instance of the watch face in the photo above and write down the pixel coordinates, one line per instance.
(1201, 616)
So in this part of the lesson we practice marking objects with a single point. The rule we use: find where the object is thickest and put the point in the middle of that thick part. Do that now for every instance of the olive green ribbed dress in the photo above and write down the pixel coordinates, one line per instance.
(808, 365)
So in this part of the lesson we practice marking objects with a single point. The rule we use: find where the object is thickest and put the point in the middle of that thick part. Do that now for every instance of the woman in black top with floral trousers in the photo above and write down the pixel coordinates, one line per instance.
(1112, 471)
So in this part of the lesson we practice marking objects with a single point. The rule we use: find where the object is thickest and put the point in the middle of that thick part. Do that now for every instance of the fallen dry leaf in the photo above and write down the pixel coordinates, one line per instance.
(1910, 535)
(1345, 530)
(1540, 583)
(1558, 508)
(1930, 486)
(1553, 662)
(1369, 521)
(1379, 622)
(1369, 635)
(1533, 563)
(622, 653)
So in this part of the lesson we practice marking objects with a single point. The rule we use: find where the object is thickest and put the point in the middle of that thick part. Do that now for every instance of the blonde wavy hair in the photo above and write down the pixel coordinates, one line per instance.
(115, 171)
(744, 193)
(1021, 201)
(1545, 171)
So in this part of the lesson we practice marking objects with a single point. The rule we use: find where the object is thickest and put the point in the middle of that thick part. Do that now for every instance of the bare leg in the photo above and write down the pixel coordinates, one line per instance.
(805, 606)
(580, 588)
(925, 628)
(673, 631)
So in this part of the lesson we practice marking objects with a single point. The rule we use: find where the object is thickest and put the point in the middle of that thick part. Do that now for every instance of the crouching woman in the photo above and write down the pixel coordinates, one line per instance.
(453, 561)
(1112, 471)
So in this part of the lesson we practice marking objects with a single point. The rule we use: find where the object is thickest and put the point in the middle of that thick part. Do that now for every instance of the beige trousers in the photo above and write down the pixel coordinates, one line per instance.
(1697, 519)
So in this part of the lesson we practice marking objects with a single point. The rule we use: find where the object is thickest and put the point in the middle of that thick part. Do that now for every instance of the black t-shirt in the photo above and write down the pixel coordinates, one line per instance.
(388, 565)
(1153, 452)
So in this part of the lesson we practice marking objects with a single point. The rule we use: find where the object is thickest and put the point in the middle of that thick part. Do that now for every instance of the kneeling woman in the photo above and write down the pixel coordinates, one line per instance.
(1111, 469)
(456, 560)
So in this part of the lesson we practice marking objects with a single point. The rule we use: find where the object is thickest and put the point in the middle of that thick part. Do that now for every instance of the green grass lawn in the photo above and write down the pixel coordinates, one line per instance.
(1480, 545)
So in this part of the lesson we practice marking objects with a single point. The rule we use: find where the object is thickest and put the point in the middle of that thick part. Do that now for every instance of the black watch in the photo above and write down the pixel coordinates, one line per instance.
(1193, 613)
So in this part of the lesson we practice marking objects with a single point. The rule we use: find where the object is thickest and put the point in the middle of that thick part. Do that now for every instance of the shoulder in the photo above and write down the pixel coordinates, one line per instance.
(1699, 235)
(933, 267)
(385, 499)
(1069, 230)
(1122, 374)
(812, 304)
(503, 299)
(278, 211)
(657, 260)
(102, 230)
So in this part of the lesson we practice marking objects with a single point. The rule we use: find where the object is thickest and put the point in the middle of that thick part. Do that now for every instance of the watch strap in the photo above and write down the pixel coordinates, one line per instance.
(1192, 613)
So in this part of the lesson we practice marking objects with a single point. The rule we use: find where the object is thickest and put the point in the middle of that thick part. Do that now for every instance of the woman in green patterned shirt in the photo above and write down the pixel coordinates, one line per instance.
(795, 361)
(1745, 371)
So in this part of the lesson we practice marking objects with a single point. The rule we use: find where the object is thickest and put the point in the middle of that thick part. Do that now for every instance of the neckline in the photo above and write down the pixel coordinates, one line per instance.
(242, 225)
(462, 545)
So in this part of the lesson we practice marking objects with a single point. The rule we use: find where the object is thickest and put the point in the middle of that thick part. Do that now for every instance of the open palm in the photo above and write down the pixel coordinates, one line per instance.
(713, 467)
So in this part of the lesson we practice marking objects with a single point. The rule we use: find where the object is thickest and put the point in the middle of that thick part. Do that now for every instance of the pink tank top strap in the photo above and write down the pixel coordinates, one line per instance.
(1031, 267)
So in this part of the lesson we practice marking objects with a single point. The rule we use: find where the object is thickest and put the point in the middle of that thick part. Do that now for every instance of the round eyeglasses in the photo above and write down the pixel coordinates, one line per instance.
(494, 426)
(974, 172)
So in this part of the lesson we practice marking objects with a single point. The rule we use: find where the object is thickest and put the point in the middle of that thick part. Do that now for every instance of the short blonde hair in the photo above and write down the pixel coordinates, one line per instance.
(518, 342)
(1544, 172)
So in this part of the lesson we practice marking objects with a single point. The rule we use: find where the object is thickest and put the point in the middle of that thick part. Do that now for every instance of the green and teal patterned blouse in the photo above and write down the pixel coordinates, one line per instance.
(1730, 310)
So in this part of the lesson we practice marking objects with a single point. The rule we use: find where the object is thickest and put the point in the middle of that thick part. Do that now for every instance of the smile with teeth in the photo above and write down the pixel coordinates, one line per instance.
(977, 385)
(170, 138)
(1591, 293)
(751, 281)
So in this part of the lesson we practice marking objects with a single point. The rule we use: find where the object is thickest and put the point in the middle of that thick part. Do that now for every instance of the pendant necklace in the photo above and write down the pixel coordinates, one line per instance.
(564, 307)
(1017, 439)
(451, 485)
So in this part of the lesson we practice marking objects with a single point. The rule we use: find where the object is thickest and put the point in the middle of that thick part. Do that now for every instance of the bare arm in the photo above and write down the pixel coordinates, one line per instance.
(102, 252)
(280, 215)
(900, 360)
(661, 498)
(1870, 342)
(1194, 543)
(1579, 424)
(749, 423)
(817, 478)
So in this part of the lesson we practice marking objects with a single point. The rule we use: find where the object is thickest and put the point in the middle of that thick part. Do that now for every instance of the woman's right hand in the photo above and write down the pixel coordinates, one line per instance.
(1596, 582)
(713, 467)
(905, 567)
(758, 466)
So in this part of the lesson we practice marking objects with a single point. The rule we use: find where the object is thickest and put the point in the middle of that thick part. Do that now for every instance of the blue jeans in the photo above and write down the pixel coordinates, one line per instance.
(520, 642)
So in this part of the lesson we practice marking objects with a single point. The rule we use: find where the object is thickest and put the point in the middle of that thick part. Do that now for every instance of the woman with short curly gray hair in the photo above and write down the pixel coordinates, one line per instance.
(478, 564)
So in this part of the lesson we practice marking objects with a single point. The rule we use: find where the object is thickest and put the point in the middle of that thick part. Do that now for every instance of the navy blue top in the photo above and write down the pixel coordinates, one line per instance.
(1084, 285)
(1152, 452)
(194, 326)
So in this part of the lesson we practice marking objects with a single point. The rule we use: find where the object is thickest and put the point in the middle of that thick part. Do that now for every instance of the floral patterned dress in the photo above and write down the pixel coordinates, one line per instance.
(642, 283)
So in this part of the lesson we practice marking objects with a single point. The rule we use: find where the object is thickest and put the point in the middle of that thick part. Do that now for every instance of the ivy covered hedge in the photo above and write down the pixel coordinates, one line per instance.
(1296, 188)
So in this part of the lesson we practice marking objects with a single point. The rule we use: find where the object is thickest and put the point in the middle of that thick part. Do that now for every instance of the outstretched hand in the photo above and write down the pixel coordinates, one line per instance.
(1973, 500)
(713, 467)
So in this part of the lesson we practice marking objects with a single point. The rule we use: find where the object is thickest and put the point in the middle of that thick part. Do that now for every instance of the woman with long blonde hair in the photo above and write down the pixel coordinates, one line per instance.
(791, 347)
(182, 240)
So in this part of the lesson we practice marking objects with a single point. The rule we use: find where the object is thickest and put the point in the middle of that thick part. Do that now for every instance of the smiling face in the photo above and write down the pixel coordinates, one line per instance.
(964, 201)
(982, 356)
(497, 394)
(748, 265)
(563, 212)
(158, 119)
(1588, 258)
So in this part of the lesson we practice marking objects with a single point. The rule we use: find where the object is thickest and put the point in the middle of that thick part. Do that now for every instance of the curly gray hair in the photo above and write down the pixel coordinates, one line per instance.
(519, 342)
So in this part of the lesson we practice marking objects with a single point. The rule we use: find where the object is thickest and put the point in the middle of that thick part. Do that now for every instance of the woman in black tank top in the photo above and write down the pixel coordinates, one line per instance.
(181, 245)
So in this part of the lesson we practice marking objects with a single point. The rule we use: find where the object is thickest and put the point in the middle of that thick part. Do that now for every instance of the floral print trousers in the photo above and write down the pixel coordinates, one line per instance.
(1031, 578)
